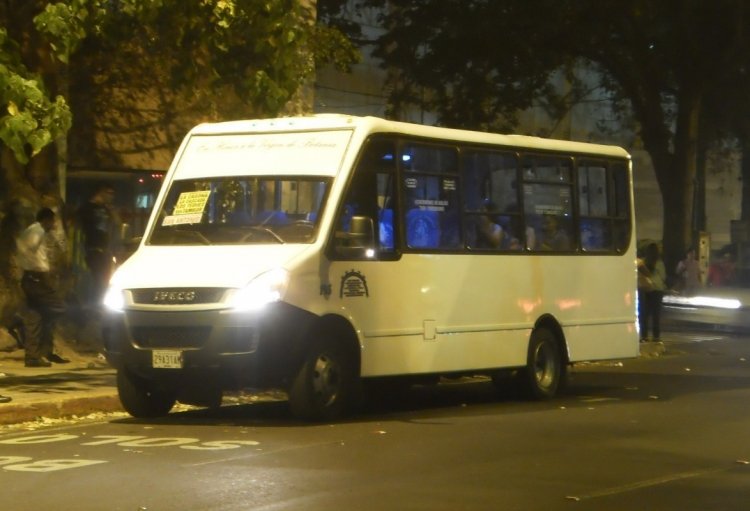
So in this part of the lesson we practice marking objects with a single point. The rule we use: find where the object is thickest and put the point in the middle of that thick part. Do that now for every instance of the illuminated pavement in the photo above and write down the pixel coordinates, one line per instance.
(664, 432)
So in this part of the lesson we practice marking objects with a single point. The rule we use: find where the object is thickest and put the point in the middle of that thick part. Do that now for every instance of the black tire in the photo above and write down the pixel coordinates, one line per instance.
(325, 383)
(143, 398)
(545, 370)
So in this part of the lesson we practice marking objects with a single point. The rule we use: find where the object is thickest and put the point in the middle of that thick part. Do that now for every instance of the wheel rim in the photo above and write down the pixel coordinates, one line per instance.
(326, 379)
(545, 369)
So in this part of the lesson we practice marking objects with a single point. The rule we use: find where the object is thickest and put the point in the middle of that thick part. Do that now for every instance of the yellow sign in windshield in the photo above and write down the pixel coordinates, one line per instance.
(191, 203)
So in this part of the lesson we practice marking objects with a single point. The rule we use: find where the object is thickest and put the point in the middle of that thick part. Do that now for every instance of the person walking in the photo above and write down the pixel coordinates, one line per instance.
(44, 303)
(652, 283)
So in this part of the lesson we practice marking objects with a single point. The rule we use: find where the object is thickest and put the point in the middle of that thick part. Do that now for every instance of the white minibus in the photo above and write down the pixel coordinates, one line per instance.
(315, 254)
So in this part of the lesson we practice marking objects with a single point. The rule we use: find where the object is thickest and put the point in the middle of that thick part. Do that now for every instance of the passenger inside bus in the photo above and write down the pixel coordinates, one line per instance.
(490, 233)
(554, 235)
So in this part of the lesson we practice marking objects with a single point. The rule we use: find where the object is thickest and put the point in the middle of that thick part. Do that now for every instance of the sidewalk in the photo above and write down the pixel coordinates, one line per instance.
(83, 386)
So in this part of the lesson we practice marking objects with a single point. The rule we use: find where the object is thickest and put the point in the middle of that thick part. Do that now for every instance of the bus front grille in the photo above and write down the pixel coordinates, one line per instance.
(170, 337)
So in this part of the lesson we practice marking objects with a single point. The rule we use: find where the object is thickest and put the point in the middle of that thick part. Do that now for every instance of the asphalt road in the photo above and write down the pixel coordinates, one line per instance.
(667, 433)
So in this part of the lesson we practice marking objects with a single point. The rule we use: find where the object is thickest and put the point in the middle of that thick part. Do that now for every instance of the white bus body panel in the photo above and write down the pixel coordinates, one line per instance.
(444, 313)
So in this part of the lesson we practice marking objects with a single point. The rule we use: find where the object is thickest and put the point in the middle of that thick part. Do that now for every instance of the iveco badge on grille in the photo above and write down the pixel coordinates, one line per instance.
(174, 296)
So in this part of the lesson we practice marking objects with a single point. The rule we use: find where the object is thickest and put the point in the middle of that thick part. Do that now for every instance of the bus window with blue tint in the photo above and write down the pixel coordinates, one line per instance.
(371, 194)
(431, 201)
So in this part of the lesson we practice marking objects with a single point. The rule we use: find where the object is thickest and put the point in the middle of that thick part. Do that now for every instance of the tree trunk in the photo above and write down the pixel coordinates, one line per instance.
(699, 215)
(677, 181)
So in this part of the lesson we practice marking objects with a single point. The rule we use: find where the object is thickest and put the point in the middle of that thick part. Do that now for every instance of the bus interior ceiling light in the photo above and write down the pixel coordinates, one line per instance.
(266, 288)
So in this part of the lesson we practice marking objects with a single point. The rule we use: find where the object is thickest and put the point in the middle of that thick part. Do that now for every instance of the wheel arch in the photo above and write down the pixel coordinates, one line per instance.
(327, 380)
(551, 323)
(339, 328)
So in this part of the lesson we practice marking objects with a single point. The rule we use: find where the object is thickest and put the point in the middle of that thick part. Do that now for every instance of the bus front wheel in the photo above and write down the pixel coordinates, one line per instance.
(142, 398)
(545, 367)
(324, 383)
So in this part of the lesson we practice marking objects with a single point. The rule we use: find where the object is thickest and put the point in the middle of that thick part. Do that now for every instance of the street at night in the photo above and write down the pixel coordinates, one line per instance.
(666, 432)
(356, 255)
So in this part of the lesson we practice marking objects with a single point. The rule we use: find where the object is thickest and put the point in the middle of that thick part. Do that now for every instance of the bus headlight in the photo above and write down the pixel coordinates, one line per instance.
(266, 288)
(114, 298)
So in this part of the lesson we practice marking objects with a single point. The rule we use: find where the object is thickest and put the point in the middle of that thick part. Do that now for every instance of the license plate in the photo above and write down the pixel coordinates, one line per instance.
(166, 359)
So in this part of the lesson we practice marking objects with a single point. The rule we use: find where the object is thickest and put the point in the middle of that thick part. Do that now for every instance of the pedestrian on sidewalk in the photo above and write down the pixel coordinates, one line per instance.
(652, 283)
(43, 300)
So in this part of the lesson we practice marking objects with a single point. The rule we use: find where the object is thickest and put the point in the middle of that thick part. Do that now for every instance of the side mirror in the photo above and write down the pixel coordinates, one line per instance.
(358, 240)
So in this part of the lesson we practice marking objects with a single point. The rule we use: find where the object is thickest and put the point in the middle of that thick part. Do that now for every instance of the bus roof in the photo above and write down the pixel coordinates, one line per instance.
(378, 125)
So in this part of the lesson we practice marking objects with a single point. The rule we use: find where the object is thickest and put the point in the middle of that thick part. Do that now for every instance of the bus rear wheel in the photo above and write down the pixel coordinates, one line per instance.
(545, 368)
(323, 386)
(143, 398)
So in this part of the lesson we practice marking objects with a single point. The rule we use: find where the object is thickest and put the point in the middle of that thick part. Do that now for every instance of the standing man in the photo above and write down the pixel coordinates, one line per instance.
(42, 297)
(97, 219)
(652, 283)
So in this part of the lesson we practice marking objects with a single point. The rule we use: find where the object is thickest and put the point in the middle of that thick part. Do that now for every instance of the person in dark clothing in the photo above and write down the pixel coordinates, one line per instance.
(43, 300)
(652, 284)
(96, 219)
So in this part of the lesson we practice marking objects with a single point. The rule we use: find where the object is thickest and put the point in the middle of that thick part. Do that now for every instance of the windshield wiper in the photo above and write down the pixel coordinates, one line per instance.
(260, 229)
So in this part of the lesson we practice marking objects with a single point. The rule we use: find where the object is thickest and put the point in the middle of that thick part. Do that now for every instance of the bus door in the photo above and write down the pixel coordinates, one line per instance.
(387, 292)
(364, 261)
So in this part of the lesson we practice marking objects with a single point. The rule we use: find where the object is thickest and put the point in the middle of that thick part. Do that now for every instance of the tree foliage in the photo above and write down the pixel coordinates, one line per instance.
(153, 56)
(31, 118)
(123, 77)
(477, 62)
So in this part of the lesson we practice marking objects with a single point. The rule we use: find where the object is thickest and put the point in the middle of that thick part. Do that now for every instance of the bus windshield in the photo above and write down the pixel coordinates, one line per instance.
(240, 210)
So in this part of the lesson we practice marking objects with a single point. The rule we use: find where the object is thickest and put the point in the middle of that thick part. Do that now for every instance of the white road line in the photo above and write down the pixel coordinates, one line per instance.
(257, 453)
(649, 483)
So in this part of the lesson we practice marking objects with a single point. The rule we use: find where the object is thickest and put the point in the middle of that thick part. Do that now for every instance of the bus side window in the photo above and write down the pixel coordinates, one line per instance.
(431, 201)
(621, 207)
(491, 202)
(432, 217)
(370, 194)
(598, 206)
(548, 202)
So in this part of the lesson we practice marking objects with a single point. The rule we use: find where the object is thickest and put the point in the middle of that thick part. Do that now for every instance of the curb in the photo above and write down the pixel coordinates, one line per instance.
(13, 414)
